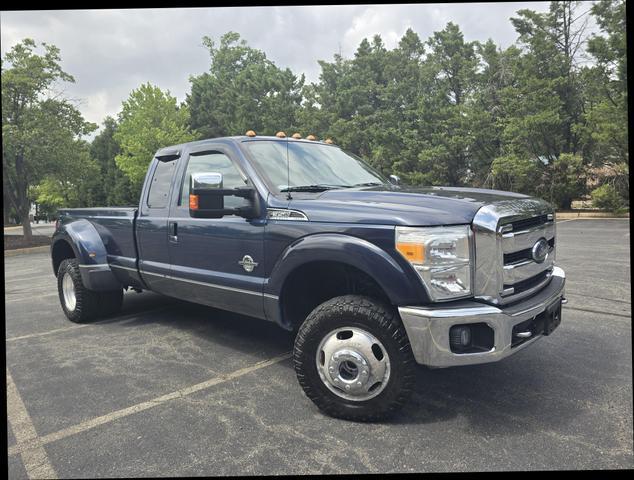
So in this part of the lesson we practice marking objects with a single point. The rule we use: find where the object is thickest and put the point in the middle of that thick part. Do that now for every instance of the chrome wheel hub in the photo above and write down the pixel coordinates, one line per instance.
(68, 290)
(353, 363)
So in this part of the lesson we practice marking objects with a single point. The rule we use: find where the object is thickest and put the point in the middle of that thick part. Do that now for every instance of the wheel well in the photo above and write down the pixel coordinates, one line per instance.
(61, 251)
(313, 283)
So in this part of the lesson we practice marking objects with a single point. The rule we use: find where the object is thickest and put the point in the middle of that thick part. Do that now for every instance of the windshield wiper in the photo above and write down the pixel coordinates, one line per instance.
(367, 184)
(312, 188)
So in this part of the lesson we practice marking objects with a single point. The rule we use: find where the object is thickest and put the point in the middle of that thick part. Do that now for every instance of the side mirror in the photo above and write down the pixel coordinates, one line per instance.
(207, 197)
(395, 180)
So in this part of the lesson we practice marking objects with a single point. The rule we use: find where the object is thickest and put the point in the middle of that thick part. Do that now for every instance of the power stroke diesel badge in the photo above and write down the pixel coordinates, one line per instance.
(247, 263)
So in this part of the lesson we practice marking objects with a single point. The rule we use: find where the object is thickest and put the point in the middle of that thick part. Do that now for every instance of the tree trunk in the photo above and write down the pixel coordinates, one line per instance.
(23, 203)
(26, 224)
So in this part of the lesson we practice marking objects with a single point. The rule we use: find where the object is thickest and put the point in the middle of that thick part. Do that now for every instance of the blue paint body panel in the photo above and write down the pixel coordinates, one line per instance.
(165, 250)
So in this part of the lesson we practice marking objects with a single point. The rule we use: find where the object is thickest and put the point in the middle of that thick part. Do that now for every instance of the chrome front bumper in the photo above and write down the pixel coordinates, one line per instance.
(428, 327)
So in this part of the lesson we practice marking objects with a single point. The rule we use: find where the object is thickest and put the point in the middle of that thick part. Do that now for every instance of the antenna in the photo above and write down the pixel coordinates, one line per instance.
(288, 173)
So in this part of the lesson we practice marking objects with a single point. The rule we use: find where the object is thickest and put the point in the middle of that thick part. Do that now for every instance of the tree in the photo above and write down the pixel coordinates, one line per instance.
(113, 185)
(37, 124)
(243, 90)
(542, 108)
(72, 183)
(605, 96)
(150, 119)
(451, 71)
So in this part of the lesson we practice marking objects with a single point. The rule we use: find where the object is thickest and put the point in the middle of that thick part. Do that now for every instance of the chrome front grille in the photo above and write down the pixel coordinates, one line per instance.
(505, 234)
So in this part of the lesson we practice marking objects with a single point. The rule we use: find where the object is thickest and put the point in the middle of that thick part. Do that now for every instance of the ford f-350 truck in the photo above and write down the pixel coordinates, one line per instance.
(372, 276)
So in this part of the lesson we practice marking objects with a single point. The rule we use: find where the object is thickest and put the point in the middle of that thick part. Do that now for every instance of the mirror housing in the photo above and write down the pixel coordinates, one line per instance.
(395, 179)
(206, 197)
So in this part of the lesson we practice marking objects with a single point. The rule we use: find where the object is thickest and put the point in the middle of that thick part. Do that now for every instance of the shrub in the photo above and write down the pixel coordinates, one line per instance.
(607, 198)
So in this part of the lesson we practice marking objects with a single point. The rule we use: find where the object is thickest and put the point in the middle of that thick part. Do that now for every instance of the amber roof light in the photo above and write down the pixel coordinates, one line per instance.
(311, 137)
(250, 133)
(297, 135)
(280, 135)
(329, 141)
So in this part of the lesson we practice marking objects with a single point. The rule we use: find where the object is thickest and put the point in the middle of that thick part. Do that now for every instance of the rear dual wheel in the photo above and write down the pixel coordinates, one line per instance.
(353, 359)
(80, 304)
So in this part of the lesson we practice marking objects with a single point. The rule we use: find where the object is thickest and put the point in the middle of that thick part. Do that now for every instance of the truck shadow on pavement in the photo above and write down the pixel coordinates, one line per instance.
(531, 391)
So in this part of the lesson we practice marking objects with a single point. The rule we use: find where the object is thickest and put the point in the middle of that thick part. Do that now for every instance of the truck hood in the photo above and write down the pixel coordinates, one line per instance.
(386, 205)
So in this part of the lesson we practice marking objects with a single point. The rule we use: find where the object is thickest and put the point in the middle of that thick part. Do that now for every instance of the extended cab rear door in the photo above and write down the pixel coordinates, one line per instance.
(208, 254)
(151, 223)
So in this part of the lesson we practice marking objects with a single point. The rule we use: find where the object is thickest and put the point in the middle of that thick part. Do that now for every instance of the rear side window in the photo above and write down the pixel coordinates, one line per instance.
(160, 184)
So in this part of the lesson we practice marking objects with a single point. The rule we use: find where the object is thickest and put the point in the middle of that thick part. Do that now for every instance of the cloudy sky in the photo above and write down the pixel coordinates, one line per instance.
(111, 52)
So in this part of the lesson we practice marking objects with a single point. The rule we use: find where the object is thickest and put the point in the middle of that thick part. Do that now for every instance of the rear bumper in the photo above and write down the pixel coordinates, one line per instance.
(428, 327)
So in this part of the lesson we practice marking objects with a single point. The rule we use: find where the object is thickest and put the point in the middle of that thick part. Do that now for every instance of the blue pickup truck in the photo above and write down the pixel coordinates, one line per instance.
(373, 277)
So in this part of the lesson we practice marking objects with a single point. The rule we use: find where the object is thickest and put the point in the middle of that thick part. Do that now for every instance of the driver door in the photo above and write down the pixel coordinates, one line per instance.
(207, 254)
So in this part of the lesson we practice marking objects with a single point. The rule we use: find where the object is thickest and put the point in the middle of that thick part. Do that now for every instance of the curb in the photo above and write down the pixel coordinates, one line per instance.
(25, 251)
(589, 215)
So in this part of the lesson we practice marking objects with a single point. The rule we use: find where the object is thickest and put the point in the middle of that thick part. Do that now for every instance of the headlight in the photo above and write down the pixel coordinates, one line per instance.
(441, 256)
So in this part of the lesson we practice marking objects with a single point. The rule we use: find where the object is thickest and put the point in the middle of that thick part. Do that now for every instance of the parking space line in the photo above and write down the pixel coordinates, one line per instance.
(569, 220)
(28, 297)
(35, 460)
(35, 442)
(117, 320)
(49, 332)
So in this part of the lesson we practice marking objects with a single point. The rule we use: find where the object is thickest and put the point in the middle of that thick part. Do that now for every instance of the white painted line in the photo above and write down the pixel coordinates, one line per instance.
(32, 335)
(115, 321)
(569, 220)
(35, 461)
(30, 297)
(35, 442)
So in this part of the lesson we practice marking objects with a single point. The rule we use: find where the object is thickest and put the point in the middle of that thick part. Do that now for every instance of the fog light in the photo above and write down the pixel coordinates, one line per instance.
(460, 337)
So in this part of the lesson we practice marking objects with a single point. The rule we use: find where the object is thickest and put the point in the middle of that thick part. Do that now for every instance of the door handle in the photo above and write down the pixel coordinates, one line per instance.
(172, 232)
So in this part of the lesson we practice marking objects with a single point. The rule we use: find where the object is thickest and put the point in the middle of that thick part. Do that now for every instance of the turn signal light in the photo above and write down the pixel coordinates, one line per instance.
(250, 133)
(193, 202)
(280, 135)
(413, 252)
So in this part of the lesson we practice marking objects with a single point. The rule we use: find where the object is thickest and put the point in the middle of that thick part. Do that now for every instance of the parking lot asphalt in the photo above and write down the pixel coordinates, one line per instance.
(169, 388)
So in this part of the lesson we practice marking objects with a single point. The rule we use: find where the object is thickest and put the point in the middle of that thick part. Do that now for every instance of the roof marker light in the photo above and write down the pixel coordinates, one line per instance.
(297, 135)
(250, 133)
(329, 141)
(280, 135)
(311, 137)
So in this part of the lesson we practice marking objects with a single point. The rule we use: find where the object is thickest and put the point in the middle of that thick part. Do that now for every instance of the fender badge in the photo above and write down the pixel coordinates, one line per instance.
(247, 263)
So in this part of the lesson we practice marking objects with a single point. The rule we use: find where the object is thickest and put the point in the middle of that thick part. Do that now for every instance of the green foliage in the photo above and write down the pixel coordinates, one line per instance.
(515, 174)
(73, 187)
(149, 120)
(563, 180)
(112, 185)
(39, 127)
(607, 198)
(531, 118)
(243, 90)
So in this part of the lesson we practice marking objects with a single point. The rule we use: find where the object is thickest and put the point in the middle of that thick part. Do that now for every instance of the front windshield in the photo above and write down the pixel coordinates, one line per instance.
(310, 165)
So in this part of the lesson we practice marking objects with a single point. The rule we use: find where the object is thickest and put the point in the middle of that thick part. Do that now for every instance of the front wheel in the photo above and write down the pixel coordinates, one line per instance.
(353, 359)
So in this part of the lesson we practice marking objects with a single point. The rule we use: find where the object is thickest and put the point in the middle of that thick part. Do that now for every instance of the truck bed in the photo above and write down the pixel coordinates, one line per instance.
(115, 226)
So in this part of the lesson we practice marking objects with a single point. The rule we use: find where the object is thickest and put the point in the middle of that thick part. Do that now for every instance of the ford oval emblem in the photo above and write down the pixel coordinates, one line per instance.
(540, 250)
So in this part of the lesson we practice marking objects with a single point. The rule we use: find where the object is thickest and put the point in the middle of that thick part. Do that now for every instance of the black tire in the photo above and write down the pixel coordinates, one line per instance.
(383, 323)
(87, 302)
